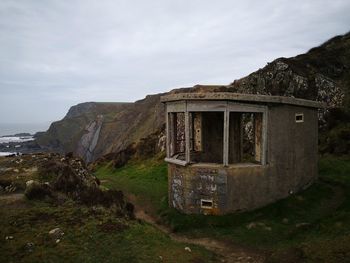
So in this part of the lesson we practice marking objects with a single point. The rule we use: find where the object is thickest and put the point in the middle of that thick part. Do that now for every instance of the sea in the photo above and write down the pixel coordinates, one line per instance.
(13, 139)
(9, 130)
(15, 128)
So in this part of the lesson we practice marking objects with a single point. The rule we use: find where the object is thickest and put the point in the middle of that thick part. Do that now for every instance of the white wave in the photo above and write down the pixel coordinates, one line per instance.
(16, 139)
(6, 153)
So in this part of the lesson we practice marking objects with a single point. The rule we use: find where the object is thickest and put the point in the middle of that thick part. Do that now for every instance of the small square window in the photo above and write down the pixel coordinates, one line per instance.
(299, 117)
(205, 203)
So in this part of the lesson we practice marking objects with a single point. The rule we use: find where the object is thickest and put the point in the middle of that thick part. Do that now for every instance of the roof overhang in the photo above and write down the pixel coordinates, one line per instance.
(251, 98)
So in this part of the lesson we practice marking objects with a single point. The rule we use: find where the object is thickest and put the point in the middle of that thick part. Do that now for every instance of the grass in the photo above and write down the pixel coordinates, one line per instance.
(91, 233)
(323, 210)
(146, 180)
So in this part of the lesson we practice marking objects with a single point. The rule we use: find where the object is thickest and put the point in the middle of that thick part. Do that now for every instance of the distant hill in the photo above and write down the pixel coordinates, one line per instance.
(92, 130)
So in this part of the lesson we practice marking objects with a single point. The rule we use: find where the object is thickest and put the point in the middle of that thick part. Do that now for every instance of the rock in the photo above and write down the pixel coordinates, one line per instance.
(16, 170)
(58, 241)
(188, 249)
(38, 191)
(29, 183)
(29, 246)
(268, 228)
(9, 237)
(161, 258)
(302, 225)
(261, 224)
(251, 225)
(281, 65)
(56, 233)
(10, 188)
(285, 220)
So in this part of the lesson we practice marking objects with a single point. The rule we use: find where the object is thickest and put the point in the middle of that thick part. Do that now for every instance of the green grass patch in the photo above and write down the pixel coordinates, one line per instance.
(315, 216)
(90, 235)
(146, 179)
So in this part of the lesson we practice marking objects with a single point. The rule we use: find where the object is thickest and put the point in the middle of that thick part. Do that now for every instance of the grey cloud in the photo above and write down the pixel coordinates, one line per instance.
(57, 53)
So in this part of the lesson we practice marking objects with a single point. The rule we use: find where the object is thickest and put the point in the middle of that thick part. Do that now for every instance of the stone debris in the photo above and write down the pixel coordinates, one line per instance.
(29, 246)
(10, 188)
(56, 233)
(29, 183)
(251, 225)
(258, 224)
(9, 237)
(188, 249)
(302, 225)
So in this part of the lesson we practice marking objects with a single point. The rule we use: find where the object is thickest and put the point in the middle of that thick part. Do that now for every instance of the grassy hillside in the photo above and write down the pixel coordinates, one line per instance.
(90, 235)
(312, 226)
(87, 233)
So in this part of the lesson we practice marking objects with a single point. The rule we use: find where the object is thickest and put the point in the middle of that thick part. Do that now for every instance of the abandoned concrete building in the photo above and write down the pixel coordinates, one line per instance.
(229, 152)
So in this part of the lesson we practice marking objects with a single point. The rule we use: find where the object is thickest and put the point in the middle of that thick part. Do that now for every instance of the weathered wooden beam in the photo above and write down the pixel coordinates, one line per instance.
(264, 137)
(187, 137)
(167, 135)
(226, 136)
(175, 161)
(258, 137)
(176, 106)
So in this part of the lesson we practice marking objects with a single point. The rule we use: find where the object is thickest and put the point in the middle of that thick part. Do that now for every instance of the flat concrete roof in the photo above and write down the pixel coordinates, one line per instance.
(252, 98)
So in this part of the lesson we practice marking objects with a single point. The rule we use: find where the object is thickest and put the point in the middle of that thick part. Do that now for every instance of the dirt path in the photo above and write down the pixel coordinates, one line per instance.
(228, 252)
(8, 198)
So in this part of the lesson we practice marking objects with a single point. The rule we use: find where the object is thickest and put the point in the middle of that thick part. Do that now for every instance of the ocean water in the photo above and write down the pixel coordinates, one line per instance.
(6, 153)
(16, 139)
(14, 128)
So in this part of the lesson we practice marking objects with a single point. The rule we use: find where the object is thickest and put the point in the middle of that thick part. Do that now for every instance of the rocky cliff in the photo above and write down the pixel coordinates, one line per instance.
(92, 130)
(321, 74)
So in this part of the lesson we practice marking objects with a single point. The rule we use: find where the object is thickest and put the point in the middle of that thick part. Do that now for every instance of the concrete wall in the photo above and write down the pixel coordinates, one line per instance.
(291, 166)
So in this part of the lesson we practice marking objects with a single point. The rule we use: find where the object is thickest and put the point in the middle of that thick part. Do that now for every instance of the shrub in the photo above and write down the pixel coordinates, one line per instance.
(38, 191)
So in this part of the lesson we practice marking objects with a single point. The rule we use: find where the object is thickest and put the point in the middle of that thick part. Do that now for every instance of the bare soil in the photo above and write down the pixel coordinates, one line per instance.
(229, 253)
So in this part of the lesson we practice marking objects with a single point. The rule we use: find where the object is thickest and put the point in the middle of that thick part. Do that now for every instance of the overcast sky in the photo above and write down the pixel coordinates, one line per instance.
(54, 54)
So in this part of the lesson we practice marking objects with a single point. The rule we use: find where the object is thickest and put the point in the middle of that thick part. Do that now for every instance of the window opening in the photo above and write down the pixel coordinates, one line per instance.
(245, 137)
(206, 137)
(177, 135)
(299, 117)
(205, 203)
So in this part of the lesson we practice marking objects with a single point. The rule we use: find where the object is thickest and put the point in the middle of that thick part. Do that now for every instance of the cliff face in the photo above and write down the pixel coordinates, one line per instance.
(321, 74)
(92, 130)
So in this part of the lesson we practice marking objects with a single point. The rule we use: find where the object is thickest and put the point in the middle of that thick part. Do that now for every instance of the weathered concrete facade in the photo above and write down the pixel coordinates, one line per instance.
(241, 151)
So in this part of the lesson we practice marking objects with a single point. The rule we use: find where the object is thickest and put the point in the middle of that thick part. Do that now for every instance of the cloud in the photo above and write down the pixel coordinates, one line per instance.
(57, 53)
